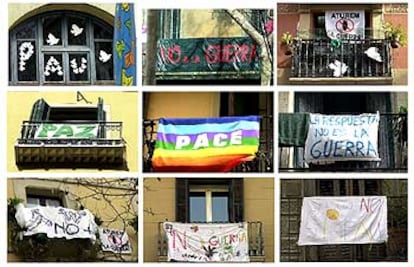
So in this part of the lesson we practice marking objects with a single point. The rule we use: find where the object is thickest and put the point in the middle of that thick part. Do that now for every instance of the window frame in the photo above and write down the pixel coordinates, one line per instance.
(208, 191)
(64, 49)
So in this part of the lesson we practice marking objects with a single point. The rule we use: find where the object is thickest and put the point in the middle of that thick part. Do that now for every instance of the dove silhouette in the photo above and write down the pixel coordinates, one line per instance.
(103, 56)
(76, 30)
(373, 53)
(51, 39)
(338, 67)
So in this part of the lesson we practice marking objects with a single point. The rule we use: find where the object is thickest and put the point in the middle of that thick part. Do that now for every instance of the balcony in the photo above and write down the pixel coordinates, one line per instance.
(263, 161)
(71, 144)
(255, 236)
(312, 59)
(392, 149)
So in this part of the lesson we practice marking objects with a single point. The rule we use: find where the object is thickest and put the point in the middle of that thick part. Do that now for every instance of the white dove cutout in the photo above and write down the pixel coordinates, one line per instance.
(103, 56)
(373, 53)
(338, 67)
(51, 39)
(82, 68)
(26, 50)
(76, 30)
(52, 66)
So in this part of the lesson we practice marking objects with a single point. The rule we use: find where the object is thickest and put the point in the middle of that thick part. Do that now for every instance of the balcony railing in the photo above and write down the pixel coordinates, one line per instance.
(70, 143)
(392, 149)
(263, 161)
(313, 58)
(256, 242)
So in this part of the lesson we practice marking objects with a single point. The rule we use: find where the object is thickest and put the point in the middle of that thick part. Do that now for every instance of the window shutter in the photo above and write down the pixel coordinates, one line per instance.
(236, 200)
(181, 200)
(101, 118)
(40, 111)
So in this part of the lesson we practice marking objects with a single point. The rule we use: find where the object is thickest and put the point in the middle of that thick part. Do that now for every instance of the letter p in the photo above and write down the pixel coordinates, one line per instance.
(181, 141)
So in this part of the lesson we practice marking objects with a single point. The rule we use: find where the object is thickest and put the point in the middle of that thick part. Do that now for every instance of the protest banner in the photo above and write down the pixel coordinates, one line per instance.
(67, 130)
(345, 24)
(342, 138)
(343, 220)
(113, 240)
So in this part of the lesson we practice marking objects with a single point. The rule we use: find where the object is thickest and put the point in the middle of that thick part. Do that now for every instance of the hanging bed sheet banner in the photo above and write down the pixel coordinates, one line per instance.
(343, 220)
(342, 138)
(205, 144)
(116, 241)
(207, 242)
(56, 222)
(124, 46)
(345, 24)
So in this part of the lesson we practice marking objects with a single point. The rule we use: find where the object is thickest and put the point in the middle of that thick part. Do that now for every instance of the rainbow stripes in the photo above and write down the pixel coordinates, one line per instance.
(205, 144)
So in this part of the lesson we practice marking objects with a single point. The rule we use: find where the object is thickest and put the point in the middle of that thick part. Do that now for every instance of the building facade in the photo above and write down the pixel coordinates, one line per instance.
(209, 201)
(111, 201)
(207, 46)
(211, 105)
(294, 190)
(313, 51)
(62, 131)
(392, 129)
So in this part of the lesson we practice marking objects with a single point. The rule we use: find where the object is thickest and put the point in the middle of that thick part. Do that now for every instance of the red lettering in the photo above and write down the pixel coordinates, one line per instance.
(366, 204)
(171, 55)
(212, 54)
(232, 239)
(244, 51)
(181, 239)
(229, 51)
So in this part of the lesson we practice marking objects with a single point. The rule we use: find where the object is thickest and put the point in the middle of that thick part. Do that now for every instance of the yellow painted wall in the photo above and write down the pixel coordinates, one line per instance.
(123, 108)
(208, 23)
(21, 11)
(159, 206)
(16, 187)
(183, 105)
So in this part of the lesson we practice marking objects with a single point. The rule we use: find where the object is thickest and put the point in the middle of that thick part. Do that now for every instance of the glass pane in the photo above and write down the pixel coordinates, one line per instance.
(326, 187)
(52, 203)
(26, 31)
(26, 61)
(220, 207)
(53, 70)
(100, 32)
(52, 30)
(32, 202)
(78, 64)
(197, 207)
(104, 61)
(76, 31)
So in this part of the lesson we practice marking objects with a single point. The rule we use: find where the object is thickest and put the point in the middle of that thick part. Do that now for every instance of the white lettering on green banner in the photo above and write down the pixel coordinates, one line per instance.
(57, 130)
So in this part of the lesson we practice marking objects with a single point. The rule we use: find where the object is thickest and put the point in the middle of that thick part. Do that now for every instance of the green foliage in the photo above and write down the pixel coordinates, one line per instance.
(286, 39)
(395, 33)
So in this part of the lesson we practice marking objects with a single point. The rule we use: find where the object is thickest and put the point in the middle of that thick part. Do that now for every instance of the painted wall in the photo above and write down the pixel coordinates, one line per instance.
(123, 107)
(16, 187)
(208, 23)
(19, 12)
(159, 206)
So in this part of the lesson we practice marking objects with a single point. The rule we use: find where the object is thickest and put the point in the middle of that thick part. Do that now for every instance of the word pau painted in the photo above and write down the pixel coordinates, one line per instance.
(56, 222)
(207, 242)
(207, 54)
(205, 144)
(58, 130)
(345, 24)
(116, 241)
(343, 220)
(342, 138)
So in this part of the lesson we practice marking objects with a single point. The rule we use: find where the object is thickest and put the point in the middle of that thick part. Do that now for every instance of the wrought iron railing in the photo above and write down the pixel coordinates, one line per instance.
(318, 58)
(263, 161)
(255, 236)
(103, 133)
(392, 149)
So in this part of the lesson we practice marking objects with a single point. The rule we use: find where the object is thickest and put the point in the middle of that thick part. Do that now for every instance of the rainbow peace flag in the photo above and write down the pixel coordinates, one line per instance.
(205, 144)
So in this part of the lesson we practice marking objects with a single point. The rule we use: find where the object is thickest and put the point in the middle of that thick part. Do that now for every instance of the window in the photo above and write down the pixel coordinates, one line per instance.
(43, 197)
(209, 203)
(169, 24)
(209, 200)
(61, 48)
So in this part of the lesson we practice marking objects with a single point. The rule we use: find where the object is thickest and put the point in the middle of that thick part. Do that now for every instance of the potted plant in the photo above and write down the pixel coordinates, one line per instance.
(395, 34)
(286, 43)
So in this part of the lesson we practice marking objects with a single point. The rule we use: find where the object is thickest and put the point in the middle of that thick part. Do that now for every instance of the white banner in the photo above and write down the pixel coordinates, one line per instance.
(116, 241)
(207, 242)
(342, 138)
(343, 220)
(66, 130)
(345, 24)
(56, 222)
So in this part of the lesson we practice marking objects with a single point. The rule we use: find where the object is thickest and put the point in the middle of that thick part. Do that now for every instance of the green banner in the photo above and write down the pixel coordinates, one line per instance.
(208, 55)
(58, 131)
